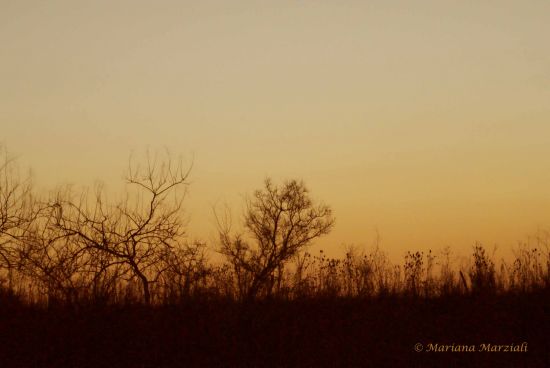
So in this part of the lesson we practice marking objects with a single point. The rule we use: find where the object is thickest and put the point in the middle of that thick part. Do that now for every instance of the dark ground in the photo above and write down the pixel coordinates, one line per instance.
(378, 332)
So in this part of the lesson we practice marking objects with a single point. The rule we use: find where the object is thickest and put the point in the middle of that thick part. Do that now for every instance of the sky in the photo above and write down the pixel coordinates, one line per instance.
(427, 122)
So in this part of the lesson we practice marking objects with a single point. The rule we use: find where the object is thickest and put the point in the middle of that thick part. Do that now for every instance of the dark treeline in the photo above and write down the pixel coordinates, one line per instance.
(87, 281)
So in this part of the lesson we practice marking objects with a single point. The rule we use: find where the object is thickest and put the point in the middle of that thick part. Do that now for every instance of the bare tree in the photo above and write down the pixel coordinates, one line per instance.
(281, 221)
(136, 232)
(17, 210)
(184, 270)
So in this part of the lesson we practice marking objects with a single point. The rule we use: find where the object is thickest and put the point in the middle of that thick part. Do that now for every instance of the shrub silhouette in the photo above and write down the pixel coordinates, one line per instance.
(482, 273)
(414, 272)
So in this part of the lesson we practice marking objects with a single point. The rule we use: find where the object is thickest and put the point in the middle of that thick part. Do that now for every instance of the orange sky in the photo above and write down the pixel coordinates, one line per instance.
(426, 120)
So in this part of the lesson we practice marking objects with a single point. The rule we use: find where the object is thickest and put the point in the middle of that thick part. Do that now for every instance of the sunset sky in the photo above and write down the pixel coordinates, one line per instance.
(426, 120)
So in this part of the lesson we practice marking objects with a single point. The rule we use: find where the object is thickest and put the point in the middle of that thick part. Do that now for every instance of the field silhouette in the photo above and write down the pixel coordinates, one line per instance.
(90, 283)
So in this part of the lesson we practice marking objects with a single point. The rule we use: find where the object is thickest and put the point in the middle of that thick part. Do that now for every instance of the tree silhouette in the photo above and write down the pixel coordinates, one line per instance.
(137, 232)
(17, 210)
(281, 220)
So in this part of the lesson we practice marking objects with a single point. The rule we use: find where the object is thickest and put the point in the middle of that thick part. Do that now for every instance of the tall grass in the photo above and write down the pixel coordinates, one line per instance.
(357, 274)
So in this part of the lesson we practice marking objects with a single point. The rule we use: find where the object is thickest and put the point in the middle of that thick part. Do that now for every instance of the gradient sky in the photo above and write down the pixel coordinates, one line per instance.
(426, 120)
